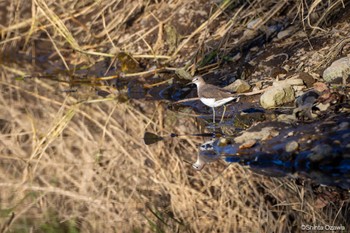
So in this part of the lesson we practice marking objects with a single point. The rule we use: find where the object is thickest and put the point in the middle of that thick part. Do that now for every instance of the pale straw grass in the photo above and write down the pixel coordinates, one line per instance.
(75, 161)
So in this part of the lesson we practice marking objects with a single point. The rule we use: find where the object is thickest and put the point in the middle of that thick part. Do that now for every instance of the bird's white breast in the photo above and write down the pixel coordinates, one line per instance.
(211, 102)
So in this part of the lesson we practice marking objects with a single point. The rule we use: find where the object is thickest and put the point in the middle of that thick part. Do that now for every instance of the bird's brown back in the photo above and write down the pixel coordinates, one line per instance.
(211, 91)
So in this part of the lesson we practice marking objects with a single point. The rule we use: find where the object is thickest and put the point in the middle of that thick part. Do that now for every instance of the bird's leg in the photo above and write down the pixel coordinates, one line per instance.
(223, 114)
(213, 114)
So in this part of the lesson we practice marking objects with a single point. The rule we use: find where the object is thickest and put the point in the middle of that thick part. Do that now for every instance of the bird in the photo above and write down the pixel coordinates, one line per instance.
(213, 96)
(212, 151)
(206, 155)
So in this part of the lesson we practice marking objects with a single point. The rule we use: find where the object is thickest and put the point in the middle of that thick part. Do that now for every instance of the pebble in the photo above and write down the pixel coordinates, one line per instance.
(277, 95)
(338, 69)
(291, 81)
(238, 86)
(292, 146)
(344, 125)
(307, 78)
(286, 118)
(307, 99)
(323, 106)
(263, 134)
(321, 152)
(320, 87)
(278, 72)
(248, 144)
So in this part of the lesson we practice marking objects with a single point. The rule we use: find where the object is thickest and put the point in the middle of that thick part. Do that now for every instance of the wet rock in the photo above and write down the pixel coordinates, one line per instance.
(277, 72)
(307, 78)
(279, 94)
(248, 144)
(292, 81)
(321, 152)
(286, 118)
(264, 134)
(308, 98)
(305, 104)
(338, 71)
(344, 125)
(292, 146)
(238, 86)
(321, 87)
(323, 106)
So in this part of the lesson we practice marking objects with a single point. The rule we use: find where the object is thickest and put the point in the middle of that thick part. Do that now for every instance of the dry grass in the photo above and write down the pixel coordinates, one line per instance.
(84, 166)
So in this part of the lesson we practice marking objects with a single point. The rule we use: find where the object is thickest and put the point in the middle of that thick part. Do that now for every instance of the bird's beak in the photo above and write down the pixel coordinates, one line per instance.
(190, 83)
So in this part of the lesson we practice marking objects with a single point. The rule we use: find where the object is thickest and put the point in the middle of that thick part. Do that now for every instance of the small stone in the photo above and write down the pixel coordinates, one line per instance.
(321, 152)
(277, 95)
(307, 78)
(292, 146)
(304, 104)
(291, 81)
(258, 85)
(277, 72)
(339, 69)
(308, 98)
(238, 86)
(320, 87)
(286, 118)
(263, 134)
(248, 144)
(298, 89)
(323, 106)
(344, 125)
(222, 142)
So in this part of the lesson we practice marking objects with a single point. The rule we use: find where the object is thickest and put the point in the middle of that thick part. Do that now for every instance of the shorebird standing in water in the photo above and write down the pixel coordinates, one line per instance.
(213, 96)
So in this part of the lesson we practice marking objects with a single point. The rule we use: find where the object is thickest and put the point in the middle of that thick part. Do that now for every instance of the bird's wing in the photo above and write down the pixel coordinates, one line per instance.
(209, 90)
